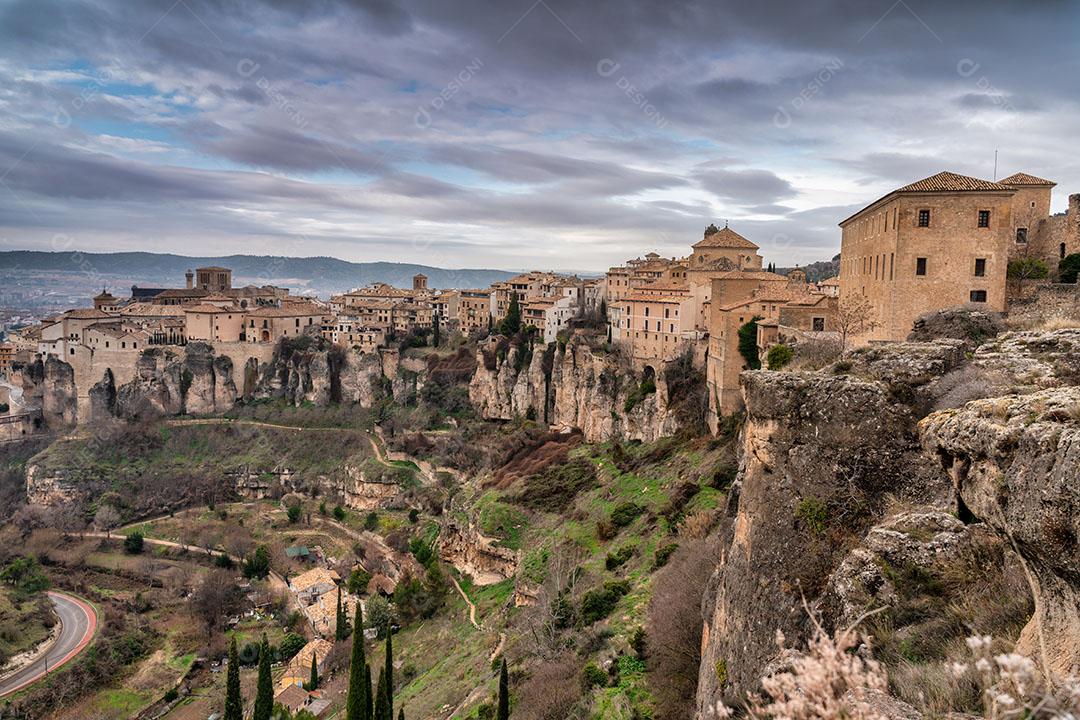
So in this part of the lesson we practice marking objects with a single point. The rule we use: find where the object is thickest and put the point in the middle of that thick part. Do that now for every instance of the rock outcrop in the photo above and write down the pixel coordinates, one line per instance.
(572, 386)
(49, 385)
(820, 455)
(1013, 462)
(477, 556)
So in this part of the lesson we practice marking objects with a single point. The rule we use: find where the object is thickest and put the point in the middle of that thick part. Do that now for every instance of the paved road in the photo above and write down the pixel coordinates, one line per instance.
(78, 622)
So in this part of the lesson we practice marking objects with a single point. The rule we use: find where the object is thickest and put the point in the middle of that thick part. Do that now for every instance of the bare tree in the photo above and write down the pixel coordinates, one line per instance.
(854, 316)
(555, 600)
(216, 597)
(107, 518)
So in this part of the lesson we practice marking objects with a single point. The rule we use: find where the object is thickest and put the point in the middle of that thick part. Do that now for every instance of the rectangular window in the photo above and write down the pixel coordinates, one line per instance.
(920, 266)
(924, 218)
(980, 267)
(1021, 236)
(819, 324)
(984, 218)
(978, 296)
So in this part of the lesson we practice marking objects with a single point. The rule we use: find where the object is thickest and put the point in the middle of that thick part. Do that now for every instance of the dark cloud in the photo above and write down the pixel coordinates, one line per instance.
(579, 132)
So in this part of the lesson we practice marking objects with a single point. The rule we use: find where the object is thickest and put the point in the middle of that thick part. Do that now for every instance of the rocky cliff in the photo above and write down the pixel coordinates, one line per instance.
(576, 386)
(475, 555)
(852, 497)
(49, 384)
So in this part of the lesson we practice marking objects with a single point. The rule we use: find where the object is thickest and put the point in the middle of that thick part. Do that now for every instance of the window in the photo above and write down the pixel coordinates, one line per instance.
(1061, 251)
(1021, 236)
(984, 218)
(819, 324)
(920, 266)
(646, 312)
(980, 267)
(978, 296)
(924, 218)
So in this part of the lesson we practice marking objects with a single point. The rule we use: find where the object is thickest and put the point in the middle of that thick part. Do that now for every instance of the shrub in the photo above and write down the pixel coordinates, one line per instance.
(639, 642)
(339, 513)
(1028, 268)
(294, 513)
(257, 565)
(663, 554)
(625, 514)
(358, 581)
(605, 530)
(639, 393)
(683, 494)
(1068, 268)
(592, 676)
(291, 644)
(778, 356)
(748, 346)
(371, 521)
(133, 543)
(724, 476)
(598, 603)
(813, 513)
(556, 487)
(616, 560)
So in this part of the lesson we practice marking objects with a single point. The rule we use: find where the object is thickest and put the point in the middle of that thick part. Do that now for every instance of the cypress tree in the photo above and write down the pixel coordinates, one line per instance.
(369, 697)
(380, 700)
(234, 705)
(341, 623)
(504, 694)
(389, 672)
(264, 693)
(511, 324)
(313, 683)
(435, 330)
(401, 714)
(356, 703)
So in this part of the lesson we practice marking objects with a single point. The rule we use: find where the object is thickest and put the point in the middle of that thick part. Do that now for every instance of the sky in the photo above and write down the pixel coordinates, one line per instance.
(513, 134)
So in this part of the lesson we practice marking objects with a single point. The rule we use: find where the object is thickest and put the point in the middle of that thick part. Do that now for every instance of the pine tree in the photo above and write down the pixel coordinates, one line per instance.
(341, 624)
(356, 703)
(264, 688)
(380, 699)
(435, 330)
(504, 694)
(234, 705)
(313, 683)
(389, 672)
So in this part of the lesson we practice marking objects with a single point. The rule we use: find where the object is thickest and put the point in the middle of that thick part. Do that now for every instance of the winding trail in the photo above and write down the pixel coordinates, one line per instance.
(78, 623)
(472, 608)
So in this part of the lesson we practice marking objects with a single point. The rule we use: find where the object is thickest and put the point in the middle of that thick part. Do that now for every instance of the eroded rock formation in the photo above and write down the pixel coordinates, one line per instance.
(1014, 462)
(474, 554)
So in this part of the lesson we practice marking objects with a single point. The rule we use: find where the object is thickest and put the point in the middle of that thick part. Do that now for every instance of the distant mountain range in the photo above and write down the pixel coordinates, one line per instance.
(320, 274)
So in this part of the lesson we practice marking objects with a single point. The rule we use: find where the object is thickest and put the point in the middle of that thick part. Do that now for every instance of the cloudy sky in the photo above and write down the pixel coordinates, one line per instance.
(565, 134)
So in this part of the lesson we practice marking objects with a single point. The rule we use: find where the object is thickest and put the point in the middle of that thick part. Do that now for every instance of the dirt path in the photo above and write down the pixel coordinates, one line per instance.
(277, 582)
(472, 608)
(498, 648)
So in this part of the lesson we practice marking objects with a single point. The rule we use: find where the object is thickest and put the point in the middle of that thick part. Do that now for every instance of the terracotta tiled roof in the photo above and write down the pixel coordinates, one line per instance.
(206, 308)
(752, 275)
(293, 697)
(951, 182)
(86, 314)
(1025, 179)
(830, 282)
(182, 293)
(305, 580)
(942, 182)
(288, 310)
(144, 309)
(725, 238)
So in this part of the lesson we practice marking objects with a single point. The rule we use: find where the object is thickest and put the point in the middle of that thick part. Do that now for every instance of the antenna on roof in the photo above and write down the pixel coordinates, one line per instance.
(995, 166)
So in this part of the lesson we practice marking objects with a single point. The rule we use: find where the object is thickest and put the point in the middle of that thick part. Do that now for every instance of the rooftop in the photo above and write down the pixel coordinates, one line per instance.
(944, 181)
(725, 238)
(1025, 179)
(313, 577)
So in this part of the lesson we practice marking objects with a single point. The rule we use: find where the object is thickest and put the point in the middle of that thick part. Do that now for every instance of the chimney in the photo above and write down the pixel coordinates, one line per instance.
(190, 277)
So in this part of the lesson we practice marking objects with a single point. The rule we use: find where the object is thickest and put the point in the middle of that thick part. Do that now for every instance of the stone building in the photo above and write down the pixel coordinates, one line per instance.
(938, 242)
(1037, 233)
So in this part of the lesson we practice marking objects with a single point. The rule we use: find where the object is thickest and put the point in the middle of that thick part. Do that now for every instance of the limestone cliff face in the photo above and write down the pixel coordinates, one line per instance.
(474, 554)
(1013, 462)
(172, 382)
(820, 454)
(574, 386)
(49, 384)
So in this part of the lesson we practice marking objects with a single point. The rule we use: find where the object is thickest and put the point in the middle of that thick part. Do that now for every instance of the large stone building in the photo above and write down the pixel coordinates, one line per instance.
(938, 242)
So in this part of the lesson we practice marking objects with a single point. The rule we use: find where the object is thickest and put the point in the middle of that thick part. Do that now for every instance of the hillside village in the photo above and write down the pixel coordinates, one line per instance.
(943, 241)
(527, 488)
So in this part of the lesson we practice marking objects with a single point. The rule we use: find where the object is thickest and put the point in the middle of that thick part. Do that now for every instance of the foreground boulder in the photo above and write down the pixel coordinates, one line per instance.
(1013, 462)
